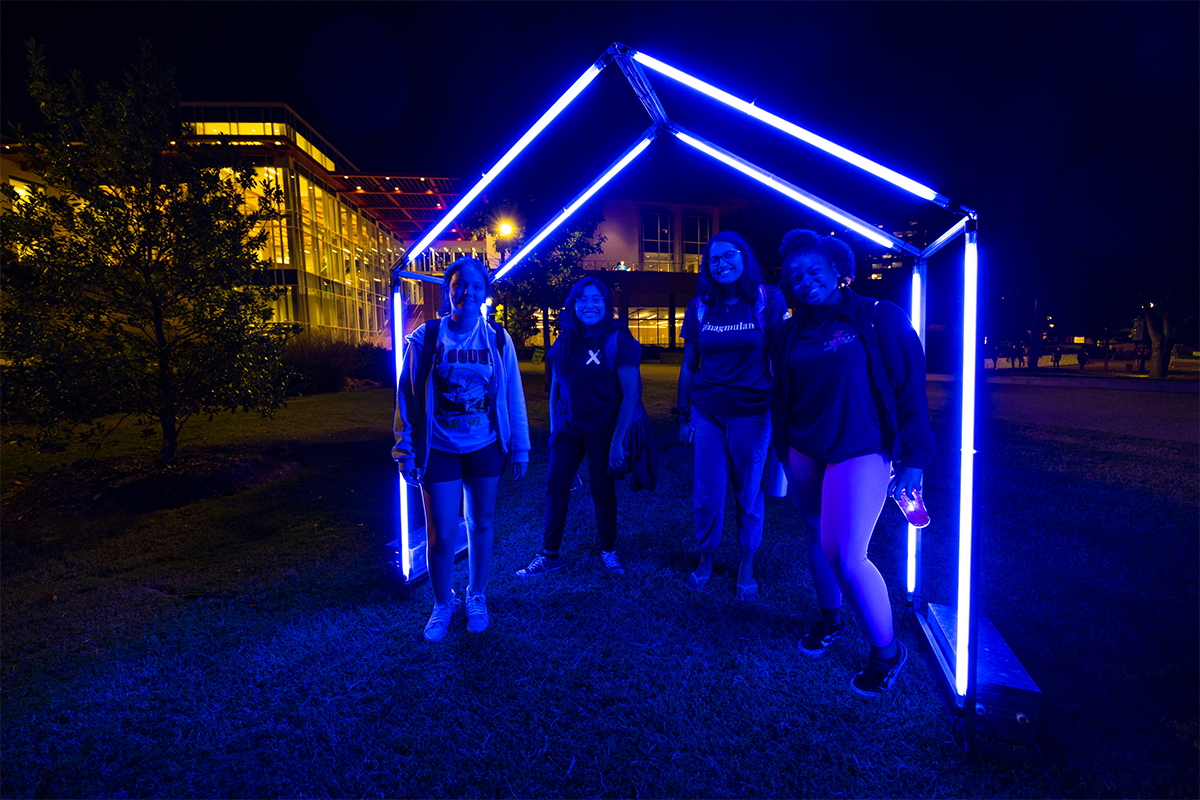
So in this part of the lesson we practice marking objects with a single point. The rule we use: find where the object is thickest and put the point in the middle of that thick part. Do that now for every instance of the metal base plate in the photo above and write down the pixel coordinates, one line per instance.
(1005, 694)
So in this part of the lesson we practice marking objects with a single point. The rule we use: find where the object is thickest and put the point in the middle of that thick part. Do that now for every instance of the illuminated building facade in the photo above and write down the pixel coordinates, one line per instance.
(343, 229)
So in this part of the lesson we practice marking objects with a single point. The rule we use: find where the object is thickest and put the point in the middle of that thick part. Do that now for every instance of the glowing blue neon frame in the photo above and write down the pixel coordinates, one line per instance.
(629, 58)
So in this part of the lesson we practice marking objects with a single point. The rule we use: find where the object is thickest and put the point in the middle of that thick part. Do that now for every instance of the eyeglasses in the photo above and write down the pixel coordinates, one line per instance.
(728, 257)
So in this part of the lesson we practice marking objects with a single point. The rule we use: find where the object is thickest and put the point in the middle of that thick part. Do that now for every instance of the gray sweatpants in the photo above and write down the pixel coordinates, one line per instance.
(730, 451)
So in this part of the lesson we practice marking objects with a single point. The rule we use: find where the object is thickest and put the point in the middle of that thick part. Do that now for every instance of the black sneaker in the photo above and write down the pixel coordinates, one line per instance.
(542, 565)
(814, 643)
(879, 676)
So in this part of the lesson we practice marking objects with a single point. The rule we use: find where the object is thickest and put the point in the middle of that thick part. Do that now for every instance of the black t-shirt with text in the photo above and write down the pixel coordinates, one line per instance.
(734, 376)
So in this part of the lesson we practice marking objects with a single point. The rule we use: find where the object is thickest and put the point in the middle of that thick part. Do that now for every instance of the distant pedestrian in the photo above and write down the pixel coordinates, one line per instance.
(1021, 351)
(1083, 357)
(723, 401)
(460, 414)
(849, 402)
(594, 391)
(1056, 356)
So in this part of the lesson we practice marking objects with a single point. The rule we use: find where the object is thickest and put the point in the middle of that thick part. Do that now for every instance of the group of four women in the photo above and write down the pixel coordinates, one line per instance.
(835, 391)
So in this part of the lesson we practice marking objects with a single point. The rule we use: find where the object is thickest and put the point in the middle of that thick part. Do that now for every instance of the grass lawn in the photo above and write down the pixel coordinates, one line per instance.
(231, 628)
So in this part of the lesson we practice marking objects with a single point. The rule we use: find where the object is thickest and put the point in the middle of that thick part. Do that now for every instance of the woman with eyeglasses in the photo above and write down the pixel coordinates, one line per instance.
(595, 385)
(851, 423)
(724, 399)
(460, 414)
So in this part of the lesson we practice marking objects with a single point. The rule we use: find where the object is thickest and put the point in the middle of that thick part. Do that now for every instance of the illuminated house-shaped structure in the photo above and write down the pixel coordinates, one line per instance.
(999, 694)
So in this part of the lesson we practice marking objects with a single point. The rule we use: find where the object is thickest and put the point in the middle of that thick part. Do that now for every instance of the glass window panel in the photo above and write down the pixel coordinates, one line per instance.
(697, 230)
(216, 128)
(656, 233)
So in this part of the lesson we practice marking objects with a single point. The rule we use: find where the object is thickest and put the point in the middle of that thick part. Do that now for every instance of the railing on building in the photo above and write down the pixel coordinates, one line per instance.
(688, 264)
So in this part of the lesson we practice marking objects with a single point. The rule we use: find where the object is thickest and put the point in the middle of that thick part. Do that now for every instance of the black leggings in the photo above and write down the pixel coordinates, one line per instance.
(566, 454)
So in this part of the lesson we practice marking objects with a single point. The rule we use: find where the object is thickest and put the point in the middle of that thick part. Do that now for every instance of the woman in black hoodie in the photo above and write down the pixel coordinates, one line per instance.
(850, 422)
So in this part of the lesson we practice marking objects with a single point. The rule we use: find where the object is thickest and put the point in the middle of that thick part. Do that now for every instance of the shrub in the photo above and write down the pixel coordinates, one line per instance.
(318, 363)
(373, 363)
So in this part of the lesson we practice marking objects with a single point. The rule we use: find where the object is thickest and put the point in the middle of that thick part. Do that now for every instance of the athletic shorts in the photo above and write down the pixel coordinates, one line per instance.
(486, 462)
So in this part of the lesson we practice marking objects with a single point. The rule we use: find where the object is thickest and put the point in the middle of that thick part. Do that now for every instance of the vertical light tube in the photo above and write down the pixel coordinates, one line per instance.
(916, 312)
(911, 571)
(917, 315)
(398, 353)
(965, 660)
(512, 153)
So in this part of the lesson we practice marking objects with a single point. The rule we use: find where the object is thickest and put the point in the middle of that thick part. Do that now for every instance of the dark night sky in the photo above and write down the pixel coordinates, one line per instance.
(1071, 127)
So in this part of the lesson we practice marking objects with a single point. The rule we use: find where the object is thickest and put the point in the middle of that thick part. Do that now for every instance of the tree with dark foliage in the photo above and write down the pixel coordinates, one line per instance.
(132, 282)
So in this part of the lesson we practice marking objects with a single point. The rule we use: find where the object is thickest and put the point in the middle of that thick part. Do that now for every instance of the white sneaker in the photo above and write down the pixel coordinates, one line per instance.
(439, 620)
(477, 613)
(611, 563)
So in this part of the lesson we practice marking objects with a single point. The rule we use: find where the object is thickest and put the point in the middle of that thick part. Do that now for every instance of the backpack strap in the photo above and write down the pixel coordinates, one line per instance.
(760, 307)
(429, 343)
(498, 329)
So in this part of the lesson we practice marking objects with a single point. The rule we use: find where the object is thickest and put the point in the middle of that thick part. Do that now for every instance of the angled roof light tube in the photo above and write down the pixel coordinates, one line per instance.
(945, 238)
(623, 161)
(554, 110)
(849, 156)
(799, 195)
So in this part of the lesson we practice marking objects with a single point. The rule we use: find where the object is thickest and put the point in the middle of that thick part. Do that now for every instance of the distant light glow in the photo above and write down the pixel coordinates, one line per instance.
(792, 129)
(967, 462)
(621, 163)
(784, 188)
(512, 153)
(506, 229)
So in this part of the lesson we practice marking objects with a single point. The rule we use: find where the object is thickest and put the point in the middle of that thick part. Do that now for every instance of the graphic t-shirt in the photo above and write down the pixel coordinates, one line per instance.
(734, 375)
(462, 371)
(590, 392)
(833, 409)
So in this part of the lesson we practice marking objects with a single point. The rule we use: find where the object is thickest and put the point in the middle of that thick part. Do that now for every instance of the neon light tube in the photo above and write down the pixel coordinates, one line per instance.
(916, 312)
(800, 196)
(911, 572)
(915, 306)
(529, 136)
(945, 238)
(398, 350)
(967, 463)
(792, 129)
(619, 165)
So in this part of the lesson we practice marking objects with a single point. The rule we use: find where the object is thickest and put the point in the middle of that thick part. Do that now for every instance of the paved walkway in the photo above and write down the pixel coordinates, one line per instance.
(1167, 410)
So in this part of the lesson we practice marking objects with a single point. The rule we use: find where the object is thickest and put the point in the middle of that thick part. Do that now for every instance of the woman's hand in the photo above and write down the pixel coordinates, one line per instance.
(685, 432)
(616, 456)
(519, 469)
(412, 476)
(906, 479)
